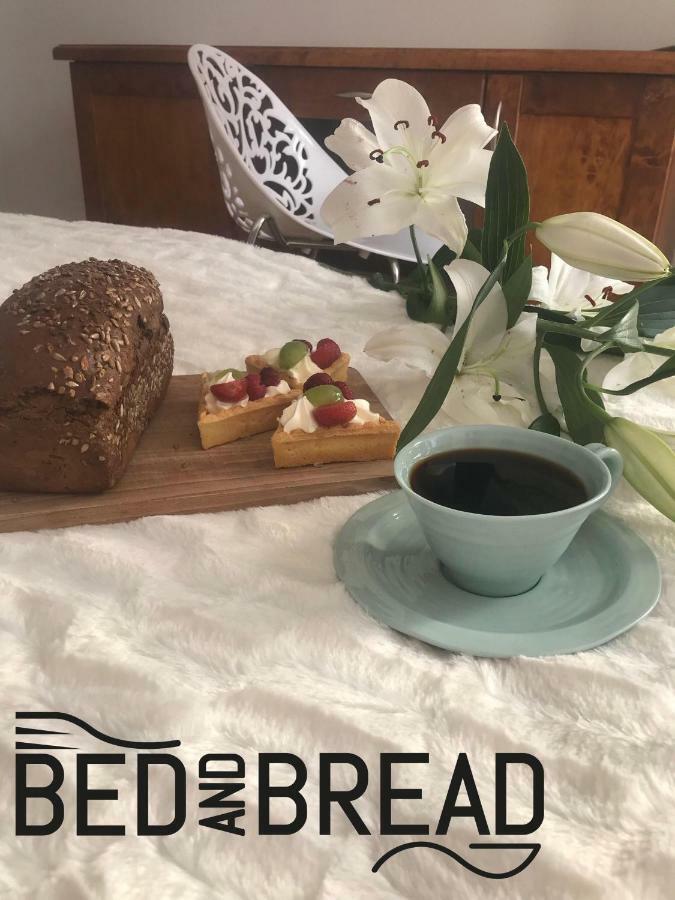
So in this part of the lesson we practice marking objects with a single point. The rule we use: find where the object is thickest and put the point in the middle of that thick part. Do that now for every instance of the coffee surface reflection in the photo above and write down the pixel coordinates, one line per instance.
(497, 483)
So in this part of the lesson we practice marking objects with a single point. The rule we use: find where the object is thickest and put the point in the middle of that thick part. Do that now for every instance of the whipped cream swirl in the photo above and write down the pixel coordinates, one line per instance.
(301, 371)
(298, 416)
(213, 404)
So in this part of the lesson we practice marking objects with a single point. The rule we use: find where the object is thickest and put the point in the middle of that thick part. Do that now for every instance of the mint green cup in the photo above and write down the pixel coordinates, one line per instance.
(499, 556)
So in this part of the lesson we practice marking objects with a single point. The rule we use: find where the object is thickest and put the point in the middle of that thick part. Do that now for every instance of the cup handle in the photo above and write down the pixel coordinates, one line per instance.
(611, 458)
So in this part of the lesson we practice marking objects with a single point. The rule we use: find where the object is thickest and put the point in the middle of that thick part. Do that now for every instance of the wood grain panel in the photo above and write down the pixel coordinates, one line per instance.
(315, 94)
(505, 90)
(170, 474)
(157, 148)
(631, 61)
(574, 164)
(648, 201)
(585, 94)
(145, 151)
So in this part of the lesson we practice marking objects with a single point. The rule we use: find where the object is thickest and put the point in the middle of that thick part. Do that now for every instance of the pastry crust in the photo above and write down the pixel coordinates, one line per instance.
(227, 425)
(336, 370)
(340, 443)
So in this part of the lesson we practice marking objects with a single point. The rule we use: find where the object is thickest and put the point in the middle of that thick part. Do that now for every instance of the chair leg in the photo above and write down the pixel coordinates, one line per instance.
(394, 268)
(255, 231)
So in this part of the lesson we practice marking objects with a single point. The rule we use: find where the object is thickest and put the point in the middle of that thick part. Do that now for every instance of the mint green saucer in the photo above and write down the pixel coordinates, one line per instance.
(607, 580)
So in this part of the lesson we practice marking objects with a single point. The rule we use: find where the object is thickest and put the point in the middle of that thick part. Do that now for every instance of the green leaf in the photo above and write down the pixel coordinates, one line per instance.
(416, 305)
(547, 423)
(657, 308)
(472, 252)
(552, 315)
(439, 308)
(476, 236)
(441, 380)
(625, 333)
(656, 311)
(583, 426)
(666, 370)
(437, 389)
(517, 290)
(507, 205)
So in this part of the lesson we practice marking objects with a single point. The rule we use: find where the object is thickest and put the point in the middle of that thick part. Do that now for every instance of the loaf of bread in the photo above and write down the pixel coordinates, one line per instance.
(85, 358)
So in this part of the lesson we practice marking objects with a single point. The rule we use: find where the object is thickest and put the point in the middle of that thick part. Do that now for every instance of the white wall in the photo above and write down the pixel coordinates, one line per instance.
(39, 166)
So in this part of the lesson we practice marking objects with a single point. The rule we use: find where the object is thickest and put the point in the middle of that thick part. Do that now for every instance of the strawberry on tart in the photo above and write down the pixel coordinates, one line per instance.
(236, 404)
(297, 361)
(328, 424)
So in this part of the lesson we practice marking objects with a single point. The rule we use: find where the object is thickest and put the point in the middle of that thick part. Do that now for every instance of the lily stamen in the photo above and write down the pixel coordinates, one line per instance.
(374, 202)
(423, 163)
(432, 120)
(376, 155)
(404, 122)
(439, 134)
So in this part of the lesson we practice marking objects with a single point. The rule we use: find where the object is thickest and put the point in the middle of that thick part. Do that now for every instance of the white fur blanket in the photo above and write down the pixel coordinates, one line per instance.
(231, 632)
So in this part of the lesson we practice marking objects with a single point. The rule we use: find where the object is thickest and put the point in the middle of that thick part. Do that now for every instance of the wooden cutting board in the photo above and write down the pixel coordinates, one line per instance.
(171, 474)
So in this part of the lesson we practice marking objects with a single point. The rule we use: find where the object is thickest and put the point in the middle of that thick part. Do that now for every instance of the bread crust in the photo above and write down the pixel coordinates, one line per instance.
(86, 356)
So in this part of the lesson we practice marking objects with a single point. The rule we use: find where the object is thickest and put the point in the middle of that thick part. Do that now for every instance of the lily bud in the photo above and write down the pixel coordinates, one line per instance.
(595, 243)
(648, 462)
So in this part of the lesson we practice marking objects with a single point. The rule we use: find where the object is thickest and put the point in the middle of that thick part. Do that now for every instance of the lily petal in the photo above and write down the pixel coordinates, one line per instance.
(653, 404)
(353, 143)
(465, 175)
(595, 243)
(416, 344)
(465, 124)
(471, 401)
(570, 287)
(489, 321)
(394, 102)
(374, 201)
(540, 290)
(444, 220)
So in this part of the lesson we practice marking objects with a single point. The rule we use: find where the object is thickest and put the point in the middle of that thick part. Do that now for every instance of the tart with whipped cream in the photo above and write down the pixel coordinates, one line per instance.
(297, 361)
(236, 404)
(328, 424)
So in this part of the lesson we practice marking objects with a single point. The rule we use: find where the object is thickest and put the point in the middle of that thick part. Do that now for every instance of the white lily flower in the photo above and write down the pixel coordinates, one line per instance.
(648, 462)
(595, 243)
(494, 382)
(658, 398)
(572, 290)
(411, 171)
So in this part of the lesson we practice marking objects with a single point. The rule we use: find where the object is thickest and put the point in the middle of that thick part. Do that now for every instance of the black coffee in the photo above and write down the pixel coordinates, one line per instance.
(497, 483)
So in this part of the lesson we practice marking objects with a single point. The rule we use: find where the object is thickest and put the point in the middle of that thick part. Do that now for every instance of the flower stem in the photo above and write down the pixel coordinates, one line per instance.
(537, 377)
(428, 280)
(521, 231)
(656, 350)
(594, 409)
(413, 238)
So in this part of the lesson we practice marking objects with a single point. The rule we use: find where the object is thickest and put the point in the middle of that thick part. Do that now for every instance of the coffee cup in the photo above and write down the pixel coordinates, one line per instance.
(503, 555)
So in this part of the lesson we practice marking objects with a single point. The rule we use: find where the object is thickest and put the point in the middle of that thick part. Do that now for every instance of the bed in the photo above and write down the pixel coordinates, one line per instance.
(230, 632)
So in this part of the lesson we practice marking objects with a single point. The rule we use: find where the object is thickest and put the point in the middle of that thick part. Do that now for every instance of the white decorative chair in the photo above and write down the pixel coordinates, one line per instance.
(274, 175)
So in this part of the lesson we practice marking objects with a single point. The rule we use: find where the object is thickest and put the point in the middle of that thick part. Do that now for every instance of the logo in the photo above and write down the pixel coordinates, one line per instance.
(221, 800)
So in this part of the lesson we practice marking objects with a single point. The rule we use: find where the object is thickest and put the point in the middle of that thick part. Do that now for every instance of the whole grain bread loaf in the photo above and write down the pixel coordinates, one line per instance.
(85, 358)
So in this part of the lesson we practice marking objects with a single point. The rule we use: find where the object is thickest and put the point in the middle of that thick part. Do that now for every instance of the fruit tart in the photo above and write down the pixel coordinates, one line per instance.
(236, 404)
(328, 424)
(297, 361)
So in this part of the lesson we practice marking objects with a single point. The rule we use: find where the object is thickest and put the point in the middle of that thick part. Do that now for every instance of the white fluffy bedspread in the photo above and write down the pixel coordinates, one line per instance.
(231, 632)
